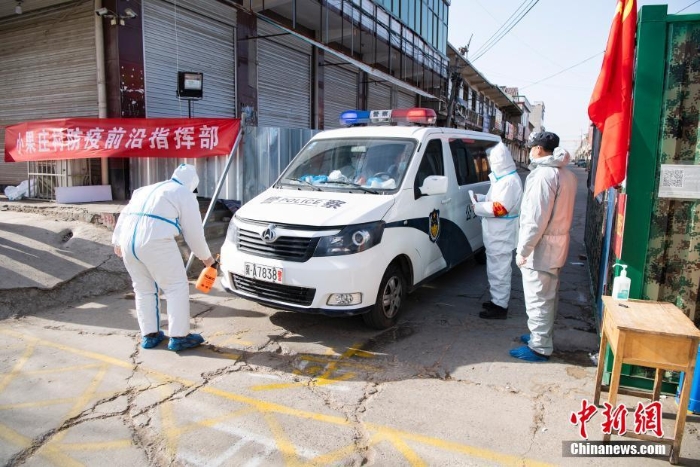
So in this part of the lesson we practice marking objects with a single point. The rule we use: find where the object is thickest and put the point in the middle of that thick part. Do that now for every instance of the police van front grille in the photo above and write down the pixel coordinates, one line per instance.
(271, 291)
(297, 249)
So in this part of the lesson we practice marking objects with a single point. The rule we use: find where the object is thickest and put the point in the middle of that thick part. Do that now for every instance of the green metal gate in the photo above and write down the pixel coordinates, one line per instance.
(661, 235)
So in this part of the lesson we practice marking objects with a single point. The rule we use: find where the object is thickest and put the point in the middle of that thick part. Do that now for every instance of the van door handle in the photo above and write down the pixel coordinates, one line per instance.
(446, 200)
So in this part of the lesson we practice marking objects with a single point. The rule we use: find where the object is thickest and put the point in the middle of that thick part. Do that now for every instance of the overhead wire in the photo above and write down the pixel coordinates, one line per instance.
(696, 1)
(509, 24)
(523, 42)
(502, 25)
(501, 31)
(565, 69)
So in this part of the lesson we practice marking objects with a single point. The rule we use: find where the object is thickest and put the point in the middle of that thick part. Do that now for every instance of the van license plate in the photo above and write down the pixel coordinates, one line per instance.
(263, 273)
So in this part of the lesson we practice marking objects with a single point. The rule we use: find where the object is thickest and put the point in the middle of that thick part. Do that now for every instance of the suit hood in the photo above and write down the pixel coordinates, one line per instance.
(559, 158)
(187, 175)
(500, 160)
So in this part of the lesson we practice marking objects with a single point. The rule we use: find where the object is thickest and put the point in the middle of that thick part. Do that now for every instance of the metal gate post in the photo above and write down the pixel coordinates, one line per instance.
(219, 185)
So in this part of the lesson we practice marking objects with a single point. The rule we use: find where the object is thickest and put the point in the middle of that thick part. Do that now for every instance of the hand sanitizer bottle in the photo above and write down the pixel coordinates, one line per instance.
(621, 284)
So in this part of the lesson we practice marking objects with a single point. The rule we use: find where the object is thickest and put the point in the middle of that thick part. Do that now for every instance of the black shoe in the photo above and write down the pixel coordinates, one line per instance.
(492, 306)
(494, 312)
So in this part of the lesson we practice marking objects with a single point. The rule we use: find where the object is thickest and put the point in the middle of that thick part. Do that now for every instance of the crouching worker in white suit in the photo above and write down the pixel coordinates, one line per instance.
(145, 238)
(499, 210)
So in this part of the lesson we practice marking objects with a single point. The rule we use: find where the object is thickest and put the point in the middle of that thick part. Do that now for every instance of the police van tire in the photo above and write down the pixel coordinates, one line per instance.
(392, 291)
(480, 256)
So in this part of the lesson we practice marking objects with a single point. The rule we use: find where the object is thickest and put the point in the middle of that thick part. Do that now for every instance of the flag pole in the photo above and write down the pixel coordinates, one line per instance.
(219, 185)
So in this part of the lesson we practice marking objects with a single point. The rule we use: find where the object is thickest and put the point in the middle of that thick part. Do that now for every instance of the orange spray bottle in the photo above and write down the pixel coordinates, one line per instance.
(207, 277)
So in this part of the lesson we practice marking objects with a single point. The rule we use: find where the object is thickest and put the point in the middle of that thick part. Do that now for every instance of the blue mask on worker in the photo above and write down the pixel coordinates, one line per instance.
(402, 166)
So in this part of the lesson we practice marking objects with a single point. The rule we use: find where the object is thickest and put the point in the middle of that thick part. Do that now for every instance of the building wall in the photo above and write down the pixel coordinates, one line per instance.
(47, 70)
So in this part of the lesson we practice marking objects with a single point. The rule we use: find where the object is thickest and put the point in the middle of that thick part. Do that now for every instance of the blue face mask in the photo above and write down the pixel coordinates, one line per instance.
(402, 166)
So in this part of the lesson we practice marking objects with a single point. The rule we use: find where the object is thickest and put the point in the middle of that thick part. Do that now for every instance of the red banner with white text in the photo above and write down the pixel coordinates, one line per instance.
(78, 138)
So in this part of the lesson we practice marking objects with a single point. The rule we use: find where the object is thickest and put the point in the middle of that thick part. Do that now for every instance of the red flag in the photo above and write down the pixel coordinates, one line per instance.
(76, 138)
(610, 108)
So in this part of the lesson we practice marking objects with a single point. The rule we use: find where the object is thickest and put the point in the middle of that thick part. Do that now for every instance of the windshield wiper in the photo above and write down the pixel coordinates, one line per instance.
(354, 185)
(301, 180)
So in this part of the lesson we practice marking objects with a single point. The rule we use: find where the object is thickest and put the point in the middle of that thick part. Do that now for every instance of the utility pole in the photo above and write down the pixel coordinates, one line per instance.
(456, 81)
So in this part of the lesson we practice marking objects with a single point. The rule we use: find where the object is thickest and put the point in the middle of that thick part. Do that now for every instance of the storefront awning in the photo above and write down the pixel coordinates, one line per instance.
(477, 81)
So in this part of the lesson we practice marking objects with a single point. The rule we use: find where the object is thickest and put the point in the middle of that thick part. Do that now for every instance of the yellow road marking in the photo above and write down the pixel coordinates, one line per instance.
(180, 430)
(324, 379)
(64, 369)
(36, 404)
(168, 422)
(316, 382)
(82, 401)
(346, 363)
(222, 338)
(18, 366)
(270, 407)
(98, 445)
(8, 434)
(333, 456)
(410, 455)
(286, 447)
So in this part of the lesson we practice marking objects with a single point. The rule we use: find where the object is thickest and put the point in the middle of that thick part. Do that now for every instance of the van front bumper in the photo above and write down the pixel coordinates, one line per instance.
(307, 285)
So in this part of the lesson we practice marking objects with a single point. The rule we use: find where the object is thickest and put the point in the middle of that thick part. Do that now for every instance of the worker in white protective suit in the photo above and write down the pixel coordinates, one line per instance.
(499, 210)
(145, 238)
(546, 215)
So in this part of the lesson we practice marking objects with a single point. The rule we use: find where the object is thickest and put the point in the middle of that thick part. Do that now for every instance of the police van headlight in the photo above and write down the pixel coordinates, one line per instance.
(232, 233)
(352, 239)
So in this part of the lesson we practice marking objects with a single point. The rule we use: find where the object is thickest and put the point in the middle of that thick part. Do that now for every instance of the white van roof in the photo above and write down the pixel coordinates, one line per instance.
(414, 132)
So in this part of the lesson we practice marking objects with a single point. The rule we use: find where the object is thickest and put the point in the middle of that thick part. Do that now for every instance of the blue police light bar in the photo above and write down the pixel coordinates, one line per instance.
(410, 116)
(354, 117)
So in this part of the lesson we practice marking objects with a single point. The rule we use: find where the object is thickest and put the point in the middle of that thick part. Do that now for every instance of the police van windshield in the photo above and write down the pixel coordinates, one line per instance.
(368, 164)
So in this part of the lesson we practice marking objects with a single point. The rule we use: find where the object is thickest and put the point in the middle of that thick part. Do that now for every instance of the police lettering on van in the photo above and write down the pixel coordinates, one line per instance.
(361, 217)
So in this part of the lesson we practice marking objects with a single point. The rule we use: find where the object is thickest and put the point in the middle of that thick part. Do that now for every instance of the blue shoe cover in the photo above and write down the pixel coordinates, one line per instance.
(525, 338)
(526, 353)
(150, 342)
(187, 342)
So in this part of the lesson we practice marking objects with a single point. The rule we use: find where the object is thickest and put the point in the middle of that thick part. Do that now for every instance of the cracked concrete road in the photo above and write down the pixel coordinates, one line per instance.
(275, 389)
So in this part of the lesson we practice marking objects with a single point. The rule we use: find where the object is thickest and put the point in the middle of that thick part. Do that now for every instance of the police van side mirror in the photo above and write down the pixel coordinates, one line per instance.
(434, 185)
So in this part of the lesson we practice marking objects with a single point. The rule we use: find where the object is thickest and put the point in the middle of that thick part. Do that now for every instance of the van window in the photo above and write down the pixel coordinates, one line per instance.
(471, 163)
(464, 163)
(334, 164)
(431, 164)
(482, 166)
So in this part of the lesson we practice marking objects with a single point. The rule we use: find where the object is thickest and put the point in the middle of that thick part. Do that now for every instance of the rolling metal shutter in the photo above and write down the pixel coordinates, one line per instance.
(340, 92)
(191, 36)
(47, 70)
(284, 80)
(405, 101)
(378, 96)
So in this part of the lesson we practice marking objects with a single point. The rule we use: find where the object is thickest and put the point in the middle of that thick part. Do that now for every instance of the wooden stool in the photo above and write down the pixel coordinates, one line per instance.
(651, 334)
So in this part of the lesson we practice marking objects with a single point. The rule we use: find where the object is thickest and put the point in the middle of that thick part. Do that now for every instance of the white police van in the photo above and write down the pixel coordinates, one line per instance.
(361, 217)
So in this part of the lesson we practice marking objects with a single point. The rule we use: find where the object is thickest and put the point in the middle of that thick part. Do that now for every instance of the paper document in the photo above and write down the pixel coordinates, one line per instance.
(471, 196)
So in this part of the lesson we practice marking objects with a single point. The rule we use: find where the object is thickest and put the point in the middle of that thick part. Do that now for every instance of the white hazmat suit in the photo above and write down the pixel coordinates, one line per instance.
(499, 210)
(546, 216)
(145, 232)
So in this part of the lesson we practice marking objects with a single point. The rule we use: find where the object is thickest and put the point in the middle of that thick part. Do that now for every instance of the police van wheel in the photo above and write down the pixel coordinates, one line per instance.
(392, 292)
(480, 257)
